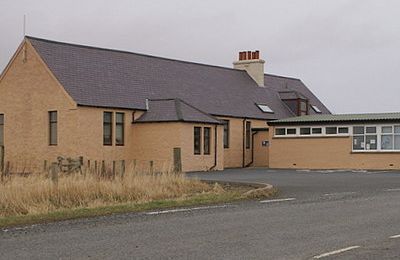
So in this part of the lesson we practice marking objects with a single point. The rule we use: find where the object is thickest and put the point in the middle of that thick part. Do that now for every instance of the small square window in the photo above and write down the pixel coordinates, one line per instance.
(343, 130)
(316, 131)
(387, 129)
(280, 131)
(358, 130)
(305, 131)
(332, 130)
(291, 131)
(370, 130)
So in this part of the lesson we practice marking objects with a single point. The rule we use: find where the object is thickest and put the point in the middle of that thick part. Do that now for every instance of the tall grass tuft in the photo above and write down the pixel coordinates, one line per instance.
(36, 193)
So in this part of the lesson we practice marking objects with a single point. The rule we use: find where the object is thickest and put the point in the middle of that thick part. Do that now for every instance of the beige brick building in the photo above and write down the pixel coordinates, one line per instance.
(60, 99)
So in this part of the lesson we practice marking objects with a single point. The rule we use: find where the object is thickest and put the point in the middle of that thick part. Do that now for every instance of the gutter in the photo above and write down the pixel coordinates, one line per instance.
(215, 148)
(244, 144)
(252, 149)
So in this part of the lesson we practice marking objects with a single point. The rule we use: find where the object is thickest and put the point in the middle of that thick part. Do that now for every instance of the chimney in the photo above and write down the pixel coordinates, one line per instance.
(250, 62)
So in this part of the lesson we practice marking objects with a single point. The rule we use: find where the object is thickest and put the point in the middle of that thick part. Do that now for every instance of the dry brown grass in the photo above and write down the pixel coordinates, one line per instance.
(37, 194)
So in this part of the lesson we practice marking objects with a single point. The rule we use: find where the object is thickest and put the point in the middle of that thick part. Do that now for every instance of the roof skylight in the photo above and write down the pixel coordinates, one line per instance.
(316, 109)
(265, 108)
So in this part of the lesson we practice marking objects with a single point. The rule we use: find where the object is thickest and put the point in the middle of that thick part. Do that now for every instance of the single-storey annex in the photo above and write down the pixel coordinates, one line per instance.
(352, 141)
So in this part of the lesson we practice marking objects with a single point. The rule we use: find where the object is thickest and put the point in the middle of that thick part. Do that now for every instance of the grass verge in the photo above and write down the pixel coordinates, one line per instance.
(234, 193)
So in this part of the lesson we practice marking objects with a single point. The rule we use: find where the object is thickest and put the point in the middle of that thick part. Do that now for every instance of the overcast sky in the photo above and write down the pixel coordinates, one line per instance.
(346, 52)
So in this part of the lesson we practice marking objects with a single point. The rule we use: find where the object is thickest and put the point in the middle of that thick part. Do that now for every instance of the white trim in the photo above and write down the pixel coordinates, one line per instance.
(322, 134)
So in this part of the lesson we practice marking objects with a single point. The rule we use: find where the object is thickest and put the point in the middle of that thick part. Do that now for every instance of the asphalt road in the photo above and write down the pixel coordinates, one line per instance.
(330, 215)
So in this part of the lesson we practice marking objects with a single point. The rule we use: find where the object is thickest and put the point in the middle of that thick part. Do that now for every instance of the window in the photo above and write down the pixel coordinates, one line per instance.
(280, 131)
(120, 128)
(397, 137)
(226, 133)
(371, 138)
(107, 128)
(365, 138)
(265, 108)
(331, 130)
(316, 130)
(390, 138)
(207, 133)
(305, 130)
(197, 140)
(291, 131)
(316, 109)
(1, 129)
(53, 128)
(343, 130)
(248, 133)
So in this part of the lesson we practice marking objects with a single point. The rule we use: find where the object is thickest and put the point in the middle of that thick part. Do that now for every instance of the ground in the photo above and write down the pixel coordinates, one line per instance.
(319, 212)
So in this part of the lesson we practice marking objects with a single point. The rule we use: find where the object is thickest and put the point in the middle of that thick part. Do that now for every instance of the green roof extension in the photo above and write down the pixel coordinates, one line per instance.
(339, 118)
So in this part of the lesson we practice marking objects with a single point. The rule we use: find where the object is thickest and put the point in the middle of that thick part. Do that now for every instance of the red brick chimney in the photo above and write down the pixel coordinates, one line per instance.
(250, 62)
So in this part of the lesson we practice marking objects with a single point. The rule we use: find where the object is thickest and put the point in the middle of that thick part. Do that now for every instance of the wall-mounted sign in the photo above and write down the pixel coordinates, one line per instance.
(265, 143)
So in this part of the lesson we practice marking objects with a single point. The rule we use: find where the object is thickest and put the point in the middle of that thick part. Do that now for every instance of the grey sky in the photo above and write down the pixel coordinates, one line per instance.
(347, 52)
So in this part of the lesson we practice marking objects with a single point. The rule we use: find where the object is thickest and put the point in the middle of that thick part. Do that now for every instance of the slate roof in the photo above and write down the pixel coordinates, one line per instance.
(339, 118)
(175, 110)
(290, 95)
(117, 79)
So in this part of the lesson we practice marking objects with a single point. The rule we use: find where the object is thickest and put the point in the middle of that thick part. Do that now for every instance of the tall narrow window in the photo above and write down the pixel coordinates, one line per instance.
(107, 128)
(207, 134)
(1, 129)
(226, 133)
(248, 134)
(119, 129)
(53, 128)
(197, 140)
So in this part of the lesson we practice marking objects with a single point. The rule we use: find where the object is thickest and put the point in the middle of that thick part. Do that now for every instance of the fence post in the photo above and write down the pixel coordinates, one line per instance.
(177, 160)
(113, 169)
(95, 168)
(122, 168)
(151, 167)
(2, 158)
(54, 173)
(45, 166)
(103, 168)
(7, 169)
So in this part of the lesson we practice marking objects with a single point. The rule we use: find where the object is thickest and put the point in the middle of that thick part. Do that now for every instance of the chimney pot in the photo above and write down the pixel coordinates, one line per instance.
(249, 55)
(257, 55)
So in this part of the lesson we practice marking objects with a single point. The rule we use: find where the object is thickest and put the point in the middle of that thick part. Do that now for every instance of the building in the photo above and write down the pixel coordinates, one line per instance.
(60, 99)
(354, 141)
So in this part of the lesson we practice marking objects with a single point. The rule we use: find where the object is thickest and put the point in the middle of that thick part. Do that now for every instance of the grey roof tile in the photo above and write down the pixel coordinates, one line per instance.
(110, 78)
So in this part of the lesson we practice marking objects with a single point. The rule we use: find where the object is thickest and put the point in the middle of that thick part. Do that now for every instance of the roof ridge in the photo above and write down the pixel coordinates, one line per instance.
(195, 108)
(148, 55)
(279, 76)
(130, 52)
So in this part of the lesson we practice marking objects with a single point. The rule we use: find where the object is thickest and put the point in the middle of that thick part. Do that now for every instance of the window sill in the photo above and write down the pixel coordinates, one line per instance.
(376, 151)
(310, 136)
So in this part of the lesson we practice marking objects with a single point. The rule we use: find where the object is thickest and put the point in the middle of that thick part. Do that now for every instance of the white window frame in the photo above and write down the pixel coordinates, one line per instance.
(311, 135)
(379, 138)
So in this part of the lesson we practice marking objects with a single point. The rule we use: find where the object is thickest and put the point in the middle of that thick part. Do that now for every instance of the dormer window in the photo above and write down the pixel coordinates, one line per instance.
(265, 108)
(302, 107)
(295, 101)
